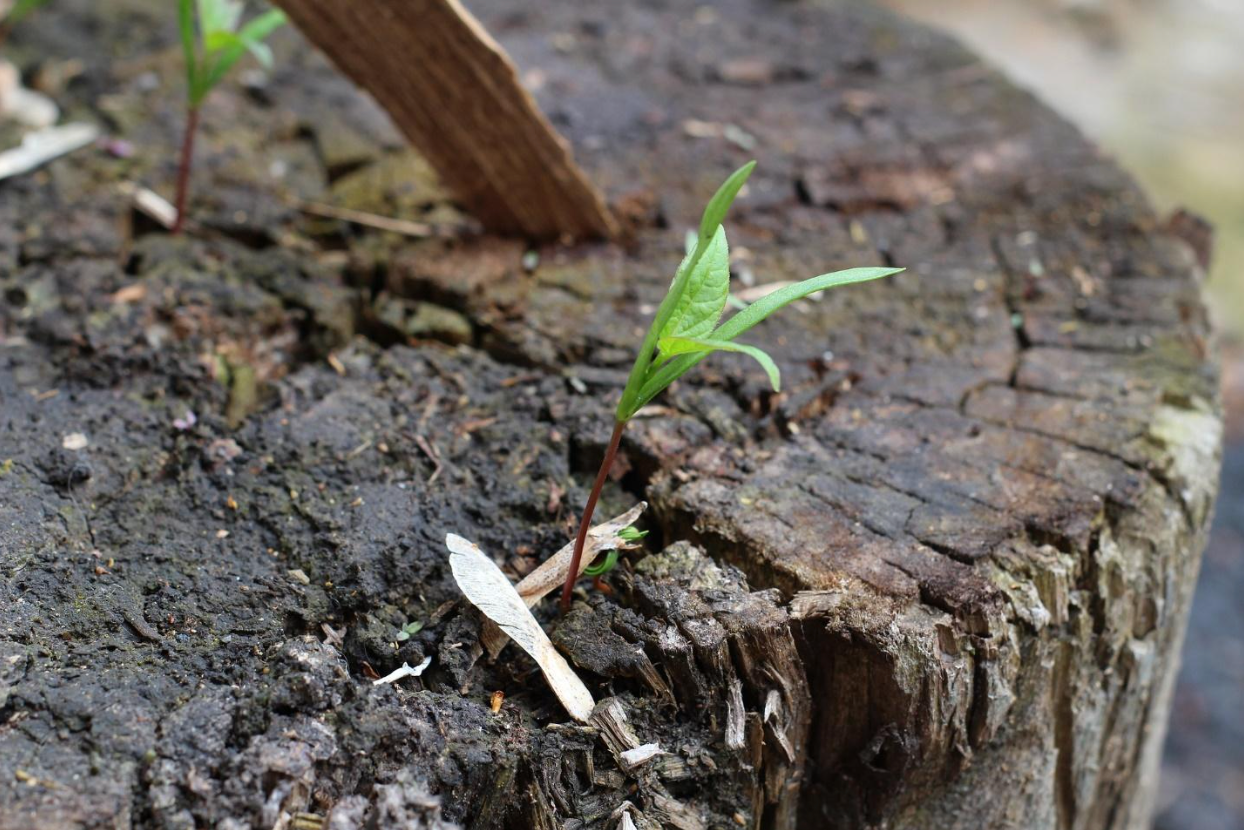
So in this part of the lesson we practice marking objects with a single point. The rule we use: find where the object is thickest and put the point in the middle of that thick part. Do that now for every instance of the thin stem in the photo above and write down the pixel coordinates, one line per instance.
(183, 169)
(586, 522)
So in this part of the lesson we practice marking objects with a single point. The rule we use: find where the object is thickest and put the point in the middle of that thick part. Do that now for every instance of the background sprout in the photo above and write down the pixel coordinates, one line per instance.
(685, 331)
(220, 45)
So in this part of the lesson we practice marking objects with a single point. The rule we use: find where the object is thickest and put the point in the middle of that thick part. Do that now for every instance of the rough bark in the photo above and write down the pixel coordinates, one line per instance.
(939, 582)
(456, 95)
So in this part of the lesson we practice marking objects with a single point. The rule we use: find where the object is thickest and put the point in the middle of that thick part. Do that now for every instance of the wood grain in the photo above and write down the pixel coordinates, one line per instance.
(457, 97)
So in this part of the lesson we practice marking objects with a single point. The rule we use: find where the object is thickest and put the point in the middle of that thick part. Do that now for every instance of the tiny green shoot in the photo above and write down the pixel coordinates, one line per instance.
(626, 534)
(687, 329)
(409, 630)
(20, 10)
(220, 43)
(604, 566)
(631, 534)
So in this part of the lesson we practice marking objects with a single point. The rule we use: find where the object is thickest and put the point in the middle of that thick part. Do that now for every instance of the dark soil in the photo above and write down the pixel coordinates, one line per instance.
(228, 461)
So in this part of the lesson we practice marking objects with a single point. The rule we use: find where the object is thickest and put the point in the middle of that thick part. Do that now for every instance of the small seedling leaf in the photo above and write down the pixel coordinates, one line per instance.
(704, 293)
(249, 39)
(717, 207)
(185, 23)
(218, 16)
(662, 377)
(603, 567)
(409, 630)
(695, 345)
(488, 590)
(783, 297)
(631, 534)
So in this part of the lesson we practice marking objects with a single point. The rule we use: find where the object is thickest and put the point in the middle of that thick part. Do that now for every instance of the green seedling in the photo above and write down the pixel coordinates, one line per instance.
(626, 534)
(20, 9)
(220, 44)
(686, 330)
(409, 630)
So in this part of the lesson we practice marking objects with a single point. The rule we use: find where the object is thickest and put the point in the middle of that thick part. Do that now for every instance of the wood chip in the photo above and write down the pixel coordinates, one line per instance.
(488, 590)
(640, 755)
(151, 204)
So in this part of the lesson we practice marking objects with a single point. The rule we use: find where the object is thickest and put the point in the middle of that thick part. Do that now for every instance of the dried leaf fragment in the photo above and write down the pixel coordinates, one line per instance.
(488, 590)
(552, 571)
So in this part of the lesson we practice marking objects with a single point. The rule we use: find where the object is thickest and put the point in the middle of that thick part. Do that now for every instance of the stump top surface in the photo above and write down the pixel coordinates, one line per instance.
(1043, 360)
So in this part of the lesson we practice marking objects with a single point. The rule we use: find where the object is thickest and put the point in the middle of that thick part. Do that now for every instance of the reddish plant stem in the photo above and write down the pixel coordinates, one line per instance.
(586, 522)
(183, 170)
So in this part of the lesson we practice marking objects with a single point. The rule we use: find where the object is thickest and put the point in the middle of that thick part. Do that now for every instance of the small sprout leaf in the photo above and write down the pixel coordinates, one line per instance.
(717, 207)
(657, 380)
(604, 567)
(219, 15)
(704, 293)
(409, 630)
(488, 590)
(631, 534)
(695, 345)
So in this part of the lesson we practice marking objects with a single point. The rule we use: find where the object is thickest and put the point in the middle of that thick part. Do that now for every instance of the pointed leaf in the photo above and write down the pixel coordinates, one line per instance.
(656, 381)
(252, 34)
(696, 345)
(717, 207)
(704, 294)
(783, 297)
(219, 16)
(185, 23)
(711, 220)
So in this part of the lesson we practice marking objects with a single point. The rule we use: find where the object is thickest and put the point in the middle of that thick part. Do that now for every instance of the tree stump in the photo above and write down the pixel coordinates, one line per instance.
(940, 581)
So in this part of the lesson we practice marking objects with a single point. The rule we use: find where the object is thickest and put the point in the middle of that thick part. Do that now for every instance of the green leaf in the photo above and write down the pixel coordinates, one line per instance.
(604, 566)
(409, 630)
(704, 293)
(631, 534)
(251, 36)
(218, 16)
(229, 42)
(696, 345)
(185, 22)
(783, 297)
(713, 214)
(717, 207)
(655, 382)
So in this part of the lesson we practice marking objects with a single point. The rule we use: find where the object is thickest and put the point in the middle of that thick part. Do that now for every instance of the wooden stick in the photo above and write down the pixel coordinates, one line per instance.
(456, 95)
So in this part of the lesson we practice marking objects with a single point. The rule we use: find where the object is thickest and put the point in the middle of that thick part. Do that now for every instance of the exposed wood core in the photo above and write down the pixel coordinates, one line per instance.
(456, 95)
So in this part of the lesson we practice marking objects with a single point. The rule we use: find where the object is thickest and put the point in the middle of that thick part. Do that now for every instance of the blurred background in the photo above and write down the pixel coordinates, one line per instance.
(1160, 85)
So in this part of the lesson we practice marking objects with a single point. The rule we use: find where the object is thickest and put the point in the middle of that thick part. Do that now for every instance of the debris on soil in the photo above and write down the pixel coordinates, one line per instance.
(487, 588)
(41, 146)
(404, 671)
(551, 573)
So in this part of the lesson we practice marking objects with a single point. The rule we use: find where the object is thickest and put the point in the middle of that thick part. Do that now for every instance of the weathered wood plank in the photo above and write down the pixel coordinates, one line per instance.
(456, 95)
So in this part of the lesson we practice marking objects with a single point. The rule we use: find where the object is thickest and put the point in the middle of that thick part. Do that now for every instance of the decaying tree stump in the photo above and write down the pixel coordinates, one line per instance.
(939, 582)
(455, 94)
